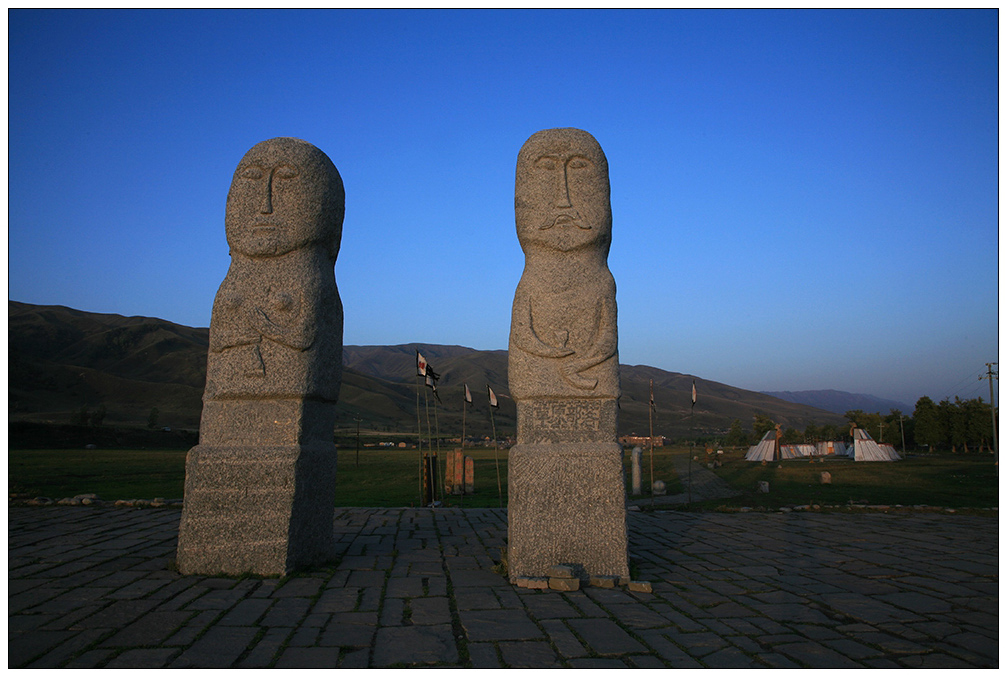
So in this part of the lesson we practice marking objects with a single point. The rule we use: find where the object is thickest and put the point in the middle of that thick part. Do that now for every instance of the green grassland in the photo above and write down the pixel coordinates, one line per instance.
(390, 478)
(946, 480)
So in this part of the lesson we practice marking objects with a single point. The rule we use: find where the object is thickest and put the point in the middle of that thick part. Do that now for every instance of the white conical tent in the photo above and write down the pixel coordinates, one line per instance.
(763, 450)
(865, 448)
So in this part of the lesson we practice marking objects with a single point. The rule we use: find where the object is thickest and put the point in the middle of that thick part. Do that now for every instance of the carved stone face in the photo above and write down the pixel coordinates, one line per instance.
(563, 193)
(286, 194)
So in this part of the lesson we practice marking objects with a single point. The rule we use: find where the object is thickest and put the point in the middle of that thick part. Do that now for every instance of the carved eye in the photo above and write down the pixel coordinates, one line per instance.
(546, 162)
(286, 172)
(253, 172)
(579, 162)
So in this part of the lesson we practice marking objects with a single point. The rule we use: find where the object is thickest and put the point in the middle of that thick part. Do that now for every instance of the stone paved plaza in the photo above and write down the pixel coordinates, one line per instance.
(93, 587)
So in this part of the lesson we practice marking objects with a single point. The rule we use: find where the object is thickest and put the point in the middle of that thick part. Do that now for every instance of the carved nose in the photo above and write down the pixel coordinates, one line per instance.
(267, 197)
(563, 190)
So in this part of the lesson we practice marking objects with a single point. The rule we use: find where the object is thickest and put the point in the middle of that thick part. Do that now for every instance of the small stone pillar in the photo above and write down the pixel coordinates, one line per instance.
(637, 471)
(260, 486)
(825, 477)
(469, 475)
(566, 477)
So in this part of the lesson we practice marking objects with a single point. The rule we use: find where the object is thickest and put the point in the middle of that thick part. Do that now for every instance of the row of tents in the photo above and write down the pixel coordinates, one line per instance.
(862, 448)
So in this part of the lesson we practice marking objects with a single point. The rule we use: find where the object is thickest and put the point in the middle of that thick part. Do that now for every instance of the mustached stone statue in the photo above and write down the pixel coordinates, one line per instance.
(260, 486)
(567, 487)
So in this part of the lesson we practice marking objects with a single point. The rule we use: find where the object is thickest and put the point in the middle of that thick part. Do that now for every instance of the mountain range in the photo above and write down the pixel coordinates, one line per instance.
(839, 401)
(61, 360)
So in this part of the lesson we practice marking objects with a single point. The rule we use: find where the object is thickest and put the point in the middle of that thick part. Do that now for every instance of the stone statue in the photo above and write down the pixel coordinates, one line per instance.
(567, 502)
(564, 314)
(259, 488)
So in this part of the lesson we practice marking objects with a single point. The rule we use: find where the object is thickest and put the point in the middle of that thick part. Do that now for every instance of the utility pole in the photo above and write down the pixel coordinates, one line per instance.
(880, 431)
(992, 374)
(903, 444)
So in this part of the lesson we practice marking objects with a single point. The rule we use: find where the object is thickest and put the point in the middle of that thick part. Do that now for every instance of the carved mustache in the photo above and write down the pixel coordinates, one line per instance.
(566, 217)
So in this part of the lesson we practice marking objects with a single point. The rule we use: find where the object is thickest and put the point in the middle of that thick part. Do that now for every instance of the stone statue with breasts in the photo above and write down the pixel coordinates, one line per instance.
(259, 487)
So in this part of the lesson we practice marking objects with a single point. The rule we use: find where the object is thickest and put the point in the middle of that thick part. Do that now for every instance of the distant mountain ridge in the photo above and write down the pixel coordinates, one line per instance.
(839, 401)
(61, 359)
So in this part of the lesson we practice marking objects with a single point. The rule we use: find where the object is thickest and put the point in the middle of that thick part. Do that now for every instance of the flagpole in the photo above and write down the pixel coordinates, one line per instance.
(464, 419)
(496, 440)
(464, 415)
(694, 398)
(652, 486)
(439, 468)
(429, 443)
(418, 425)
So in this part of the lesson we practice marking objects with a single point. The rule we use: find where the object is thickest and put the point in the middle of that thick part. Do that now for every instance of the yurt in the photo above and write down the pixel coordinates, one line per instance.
(864, 448)
(765, 449)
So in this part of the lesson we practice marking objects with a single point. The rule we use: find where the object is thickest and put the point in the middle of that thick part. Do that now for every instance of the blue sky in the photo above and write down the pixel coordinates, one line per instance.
(802, 199)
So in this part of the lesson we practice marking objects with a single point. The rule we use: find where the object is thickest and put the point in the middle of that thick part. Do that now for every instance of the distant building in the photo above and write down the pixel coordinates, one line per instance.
(639, 441)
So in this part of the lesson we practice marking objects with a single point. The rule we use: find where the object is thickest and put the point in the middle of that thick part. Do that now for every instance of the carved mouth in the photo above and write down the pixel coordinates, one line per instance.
(564, 219)
(264, 229)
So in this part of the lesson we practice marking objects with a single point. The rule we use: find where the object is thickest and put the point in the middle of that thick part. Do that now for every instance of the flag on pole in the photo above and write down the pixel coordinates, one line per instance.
(420, 364)
(493, 402)
(694, 395)
(652, 400)
(467, 394)
(431, 383)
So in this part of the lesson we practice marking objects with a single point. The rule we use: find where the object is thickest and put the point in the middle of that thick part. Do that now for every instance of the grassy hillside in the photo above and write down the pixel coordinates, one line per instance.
(63, 359)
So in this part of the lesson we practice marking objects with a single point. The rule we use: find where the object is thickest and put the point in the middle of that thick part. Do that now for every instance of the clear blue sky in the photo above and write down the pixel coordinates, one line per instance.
(802, 199)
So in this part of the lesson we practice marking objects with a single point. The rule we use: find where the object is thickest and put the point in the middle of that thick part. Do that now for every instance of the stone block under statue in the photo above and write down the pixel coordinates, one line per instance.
(566, 508)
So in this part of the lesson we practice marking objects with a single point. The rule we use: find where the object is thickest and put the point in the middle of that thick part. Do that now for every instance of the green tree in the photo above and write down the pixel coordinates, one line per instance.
(830, 433)
(868, 422)
(928, 428)
(762, 424)
(98, 417)
(81, 417)
(899, 434)
(792, 436)
(954, 423)
(153, 418)
(977, 419)
(736, 437)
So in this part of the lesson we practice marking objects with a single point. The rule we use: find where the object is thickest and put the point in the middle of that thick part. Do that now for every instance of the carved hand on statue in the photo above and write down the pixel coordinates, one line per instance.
(538, 347)
(299, 336)
(222, 338)
(570, 372)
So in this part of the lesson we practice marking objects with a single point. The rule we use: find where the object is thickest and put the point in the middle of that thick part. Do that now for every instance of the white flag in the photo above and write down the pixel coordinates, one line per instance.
(492, 398)
(467, 393)
(420, 364)
(694, 395)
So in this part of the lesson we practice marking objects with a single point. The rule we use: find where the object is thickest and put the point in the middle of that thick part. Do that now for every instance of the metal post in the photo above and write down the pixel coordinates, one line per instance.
(994, 423)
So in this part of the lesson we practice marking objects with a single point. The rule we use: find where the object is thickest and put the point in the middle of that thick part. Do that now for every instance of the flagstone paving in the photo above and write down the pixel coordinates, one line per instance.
(93, 587)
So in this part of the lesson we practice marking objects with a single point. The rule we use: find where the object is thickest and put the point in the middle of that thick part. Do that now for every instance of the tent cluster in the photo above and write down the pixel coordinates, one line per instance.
(863, 448)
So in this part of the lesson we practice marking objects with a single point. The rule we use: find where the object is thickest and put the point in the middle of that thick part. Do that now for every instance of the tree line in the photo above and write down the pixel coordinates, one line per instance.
(957, 426)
